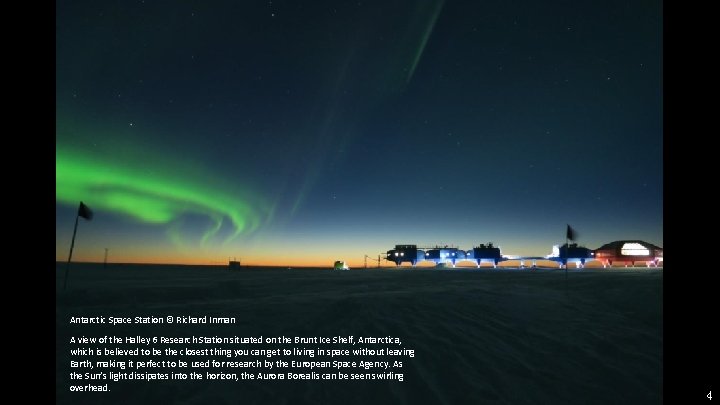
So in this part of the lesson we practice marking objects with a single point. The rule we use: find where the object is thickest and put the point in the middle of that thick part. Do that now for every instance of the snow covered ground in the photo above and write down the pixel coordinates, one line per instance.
(480, 336)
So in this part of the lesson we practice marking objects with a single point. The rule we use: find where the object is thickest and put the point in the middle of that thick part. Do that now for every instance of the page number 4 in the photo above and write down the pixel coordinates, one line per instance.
(709, 395)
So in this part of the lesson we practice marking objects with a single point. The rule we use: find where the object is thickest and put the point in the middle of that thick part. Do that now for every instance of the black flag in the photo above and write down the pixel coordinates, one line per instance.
(571, 234)
(85, 212)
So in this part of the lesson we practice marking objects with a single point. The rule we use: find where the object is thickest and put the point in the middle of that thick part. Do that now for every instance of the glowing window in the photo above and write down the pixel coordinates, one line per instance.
(634, 249)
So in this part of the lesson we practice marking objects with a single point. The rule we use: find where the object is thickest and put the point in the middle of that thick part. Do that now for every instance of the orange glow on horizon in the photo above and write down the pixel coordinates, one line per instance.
(268, 257)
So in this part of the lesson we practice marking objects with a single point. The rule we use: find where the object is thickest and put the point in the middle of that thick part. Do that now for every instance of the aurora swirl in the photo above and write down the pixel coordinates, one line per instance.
(153, 195)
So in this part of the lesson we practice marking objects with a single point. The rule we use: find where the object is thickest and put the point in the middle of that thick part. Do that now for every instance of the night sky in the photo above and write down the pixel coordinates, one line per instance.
(299, 133)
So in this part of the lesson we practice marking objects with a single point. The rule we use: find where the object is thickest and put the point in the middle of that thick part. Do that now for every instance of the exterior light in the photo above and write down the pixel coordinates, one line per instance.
(634, 249)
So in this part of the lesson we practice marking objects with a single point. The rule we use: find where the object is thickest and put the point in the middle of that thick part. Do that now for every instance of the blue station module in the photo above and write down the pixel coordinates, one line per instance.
(445, 255)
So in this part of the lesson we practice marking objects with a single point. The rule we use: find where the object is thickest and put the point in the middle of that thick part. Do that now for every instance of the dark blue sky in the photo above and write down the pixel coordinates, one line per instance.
(337, 129)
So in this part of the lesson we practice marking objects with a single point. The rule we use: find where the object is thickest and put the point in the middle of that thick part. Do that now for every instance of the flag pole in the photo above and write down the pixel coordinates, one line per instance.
(72, 244)
(567, 255)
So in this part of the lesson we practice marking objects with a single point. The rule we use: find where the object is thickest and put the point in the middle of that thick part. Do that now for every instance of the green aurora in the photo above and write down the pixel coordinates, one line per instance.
(154, 195)
(436, 8)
